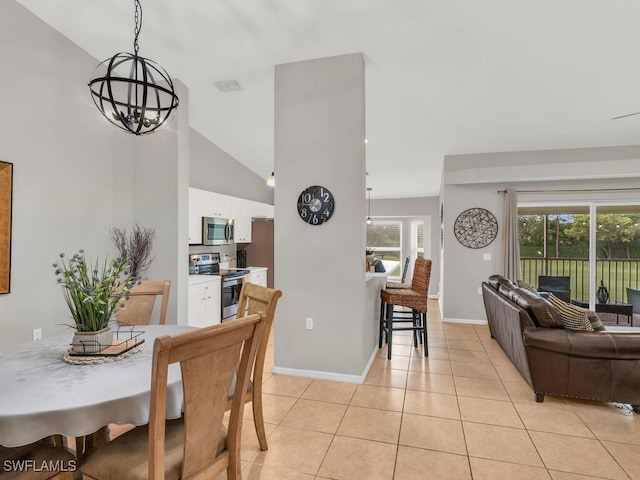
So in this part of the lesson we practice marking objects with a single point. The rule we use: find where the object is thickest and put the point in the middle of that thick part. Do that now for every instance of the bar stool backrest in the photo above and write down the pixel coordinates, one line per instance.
(421, 276)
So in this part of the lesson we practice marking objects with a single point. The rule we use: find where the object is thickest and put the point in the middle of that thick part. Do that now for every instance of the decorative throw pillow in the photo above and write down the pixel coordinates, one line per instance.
(571, 316)
(596, 323)
(526, 286)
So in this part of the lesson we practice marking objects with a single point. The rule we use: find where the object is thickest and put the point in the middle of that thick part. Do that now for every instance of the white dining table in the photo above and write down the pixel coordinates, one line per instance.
(42, 395)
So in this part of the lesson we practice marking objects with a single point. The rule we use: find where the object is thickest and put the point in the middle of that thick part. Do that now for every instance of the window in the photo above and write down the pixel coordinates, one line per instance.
(559, 241)
(417, 239)
(384, 240)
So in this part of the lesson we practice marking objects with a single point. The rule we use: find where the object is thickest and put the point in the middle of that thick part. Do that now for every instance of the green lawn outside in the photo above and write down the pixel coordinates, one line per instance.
(616, 274)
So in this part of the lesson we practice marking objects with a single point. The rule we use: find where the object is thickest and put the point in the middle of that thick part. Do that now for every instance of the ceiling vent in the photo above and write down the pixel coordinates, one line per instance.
(228, 85)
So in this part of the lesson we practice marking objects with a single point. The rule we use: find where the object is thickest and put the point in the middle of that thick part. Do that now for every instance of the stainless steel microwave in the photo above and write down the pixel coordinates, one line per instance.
(217, 231)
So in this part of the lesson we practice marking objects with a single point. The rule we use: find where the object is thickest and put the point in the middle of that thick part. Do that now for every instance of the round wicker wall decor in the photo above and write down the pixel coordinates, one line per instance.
(475, 228)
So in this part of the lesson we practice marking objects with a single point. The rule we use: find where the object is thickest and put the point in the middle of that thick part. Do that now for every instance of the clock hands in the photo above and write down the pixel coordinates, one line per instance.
(315, 205)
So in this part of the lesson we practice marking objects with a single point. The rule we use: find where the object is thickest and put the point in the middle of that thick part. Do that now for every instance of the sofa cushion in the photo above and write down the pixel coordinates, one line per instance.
(571, 316)
(496, 281)
(540, 310)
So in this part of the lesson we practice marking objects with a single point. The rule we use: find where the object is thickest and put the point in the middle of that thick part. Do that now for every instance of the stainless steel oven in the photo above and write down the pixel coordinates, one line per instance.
(231, 286)
(231, 280)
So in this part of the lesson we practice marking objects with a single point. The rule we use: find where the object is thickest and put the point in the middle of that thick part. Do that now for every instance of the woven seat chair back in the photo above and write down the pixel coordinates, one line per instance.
(415, 297)
(421, 276)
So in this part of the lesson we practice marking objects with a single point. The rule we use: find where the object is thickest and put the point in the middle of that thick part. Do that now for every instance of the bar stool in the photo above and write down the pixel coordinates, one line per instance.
(402, 312)
(414, 299)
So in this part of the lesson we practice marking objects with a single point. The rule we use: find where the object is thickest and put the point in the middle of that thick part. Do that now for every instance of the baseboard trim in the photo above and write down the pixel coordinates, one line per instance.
(335, 377)
(464, 320)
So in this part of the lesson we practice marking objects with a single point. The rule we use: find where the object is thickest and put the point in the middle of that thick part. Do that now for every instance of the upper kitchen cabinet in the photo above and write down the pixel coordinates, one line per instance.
(262, 210)
(216, 205)
(241, 211)
(203, 203)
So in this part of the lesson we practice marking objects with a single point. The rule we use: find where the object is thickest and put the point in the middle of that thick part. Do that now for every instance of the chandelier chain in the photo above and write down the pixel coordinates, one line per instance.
(138, 24)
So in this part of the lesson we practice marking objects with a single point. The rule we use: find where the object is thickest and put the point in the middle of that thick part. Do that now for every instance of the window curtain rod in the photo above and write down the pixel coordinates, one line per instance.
(627, 189)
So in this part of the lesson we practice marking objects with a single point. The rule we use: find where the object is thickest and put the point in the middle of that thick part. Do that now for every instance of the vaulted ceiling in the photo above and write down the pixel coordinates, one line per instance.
(443, 77)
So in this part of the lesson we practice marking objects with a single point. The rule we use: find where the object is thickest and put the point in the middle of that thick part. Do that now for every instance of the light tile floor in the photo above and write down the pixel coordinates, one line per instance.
(463, 413)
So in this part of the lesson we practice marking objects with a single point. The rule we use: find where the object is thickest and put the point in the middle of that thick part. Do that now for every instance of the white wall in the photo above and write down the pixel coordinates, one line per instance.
(474, 180)
(160, 200)
(76, 176)
(319, 140)
(213, 169)
(72, 171)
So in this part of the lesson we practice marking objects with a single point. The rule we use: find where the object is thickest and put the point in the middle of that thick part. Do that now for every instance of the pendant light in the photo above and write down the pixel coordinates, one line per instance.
(271, 181)
(369, 221)
(132, 92)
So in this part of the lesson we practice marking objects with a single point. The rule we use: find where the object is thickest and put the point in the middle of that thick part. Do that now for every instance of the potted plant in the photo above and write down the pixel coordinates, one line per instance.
(92, 294)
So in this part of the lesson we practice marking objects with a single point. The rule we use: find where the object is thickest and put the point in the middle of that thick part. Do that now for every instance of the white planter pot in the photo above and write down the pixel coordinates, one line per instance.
(92, 342)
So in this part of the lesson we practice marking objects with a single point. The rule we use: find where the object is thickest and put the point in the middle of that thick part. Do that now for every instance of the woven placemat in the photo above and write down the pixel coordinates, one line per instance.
(97, 359)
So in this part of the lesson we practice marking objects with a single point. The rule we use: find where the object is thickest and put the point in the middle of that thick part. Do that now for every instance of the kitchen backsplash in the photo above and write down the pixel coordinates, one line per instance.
(223, 250)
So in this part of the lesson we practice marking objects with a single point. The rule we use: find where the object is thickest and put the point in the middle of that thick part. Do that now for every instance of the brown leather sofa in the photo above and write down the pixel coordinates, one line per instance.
(602, 366)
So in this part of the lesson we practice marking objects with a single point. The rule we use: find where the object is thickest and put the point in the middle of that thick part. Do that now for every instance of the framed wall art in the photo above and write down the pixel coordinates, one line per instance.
(6, 194)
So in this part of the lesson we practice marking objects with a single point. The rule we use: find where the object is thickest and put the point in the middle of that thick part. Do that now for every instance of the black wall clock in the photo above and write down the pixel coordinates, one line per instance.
(315, 205)
(475, 228)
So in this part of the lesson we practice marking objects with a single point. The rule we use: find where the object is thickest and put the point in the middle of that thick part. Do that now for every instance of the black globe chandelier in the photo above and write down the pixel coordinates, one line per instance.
(132, 92)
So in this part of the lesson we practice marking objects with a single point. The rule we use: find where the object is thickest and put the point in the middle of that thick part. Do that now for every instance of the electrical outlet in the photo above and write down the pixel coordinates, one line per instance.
(309, 323)
(479, 290)
(37, 334)
(486, 257)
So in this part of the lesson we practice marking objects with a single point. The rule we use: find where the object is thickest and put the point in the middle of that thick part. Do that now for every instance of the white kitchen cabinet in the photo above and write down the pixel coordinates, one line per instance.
(204, 302)
(258, 276)
(216, 205)
(224, 205)
(241, 210)
(203, 203)
(262, 210)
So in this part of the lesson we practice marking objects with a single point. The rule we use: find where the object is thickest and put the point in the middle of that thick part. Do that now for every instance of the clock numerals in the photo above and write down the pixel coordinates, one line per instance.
(315, 205)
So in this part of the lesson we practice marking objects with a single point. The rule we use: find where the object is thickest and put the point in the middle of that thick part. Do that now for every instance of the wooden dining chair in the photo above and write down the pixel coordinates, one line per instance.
(255, 298)
(42, 460)
(196, 445)
(138, 308)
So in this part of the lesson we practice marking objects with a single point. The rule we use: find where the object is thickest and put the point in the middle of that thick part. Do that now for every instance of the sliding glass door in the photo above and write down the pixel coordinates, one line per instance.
(552, 245)
(617, 249)
(595, 245)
